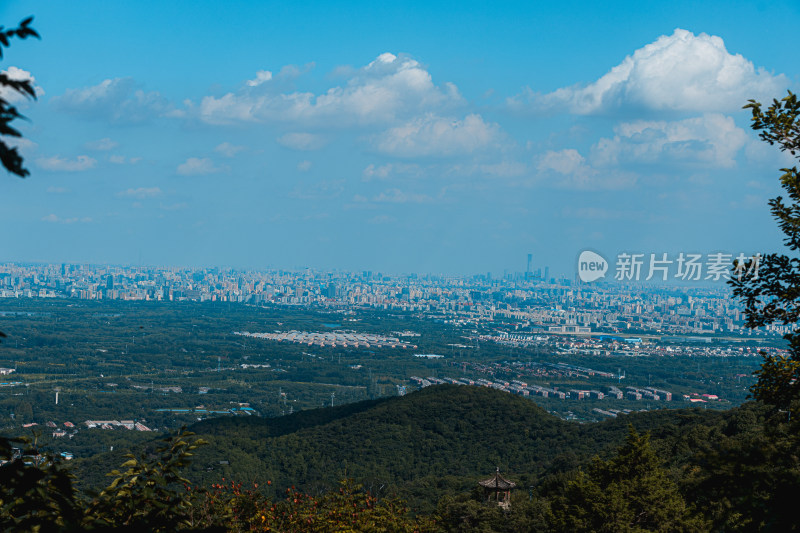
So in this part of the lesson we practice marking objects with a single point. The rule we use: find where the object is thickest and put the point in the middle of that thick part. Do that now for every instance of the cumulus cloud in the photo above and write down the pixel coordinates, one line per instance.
(118, 100)
(431, 135)
(228, 150)
(380, 172)
(25, 146)
(304, 166)
(568, 169)
(59, 164)
(568, 161)
(195, 166)
(262, 76)
(71, 220)
(140, 193)
(389, 87)
(13, 97)
(711, 140)
(682, 71)
(302, 141)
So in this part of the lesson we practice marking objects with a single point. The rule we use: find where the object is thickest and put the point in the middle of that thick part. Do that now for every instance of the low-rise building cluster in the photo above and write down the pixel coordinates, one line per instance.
(331, 339)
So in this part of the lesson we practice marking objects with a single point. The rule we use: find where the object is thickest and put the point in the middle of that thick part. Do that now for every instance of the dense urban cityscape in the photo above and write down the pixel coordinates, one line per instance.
(528, 300)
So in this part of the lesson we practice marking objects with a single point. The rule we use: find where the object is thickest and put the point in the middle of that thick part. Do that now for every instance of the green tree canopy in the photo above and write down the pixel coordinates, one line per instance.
(629, 493)
(773, 296)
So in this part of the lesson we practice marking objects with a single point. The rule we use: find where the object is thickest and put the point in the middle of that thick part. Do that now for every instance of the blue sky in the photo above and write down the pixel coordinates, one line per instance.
(413, 137)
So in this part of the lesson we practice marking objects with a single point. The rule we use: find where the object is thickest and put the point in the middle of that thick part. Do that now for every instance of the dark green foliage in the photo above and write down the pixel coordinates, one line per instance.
(629, 493)
(9, 157)
(36, 493)
(774, 295)
(465, 513)
(430, 441)
(427, 445)
(748, 478)
(739, 469)
(149, 495)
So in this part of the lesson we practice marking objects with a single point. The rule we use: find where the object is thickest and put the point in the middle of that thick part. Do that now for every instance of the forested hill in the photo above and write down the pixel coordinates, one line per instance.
(432, 442)
(434, 433)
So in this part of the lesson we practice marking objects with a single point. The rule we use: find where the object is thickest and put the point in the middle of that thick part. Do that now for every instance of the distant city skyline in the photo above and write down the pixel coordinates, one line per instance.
(424, 137)
(557, 306)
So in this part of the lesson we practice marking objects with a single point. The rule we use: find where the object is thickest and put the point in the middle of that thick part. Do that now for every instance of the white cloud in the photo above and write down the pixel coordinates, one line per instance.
(380, 172)
(304, 166)
(58, 220)
(389, 87)
(228, 150)
(59, 164)
(195, 166)
(13, 97)
(117, 100)
(568, 161)
(141, 192)
(262, 76)
(57, 190)
(682, 71)
(301, 141)
(711, 140)
(431, 135)
(102, 145)
(568, 169)
(25, 146)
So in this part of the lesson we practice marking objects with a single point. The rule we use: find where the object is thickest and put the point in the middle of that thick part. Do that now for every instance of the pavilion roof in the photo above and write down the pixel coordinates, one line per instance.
(497, 482)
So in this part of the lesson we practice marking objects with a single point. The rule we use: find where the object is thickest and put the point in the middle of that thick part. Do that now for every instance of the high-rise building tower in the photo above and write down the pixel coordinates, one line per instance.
(530, 260)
